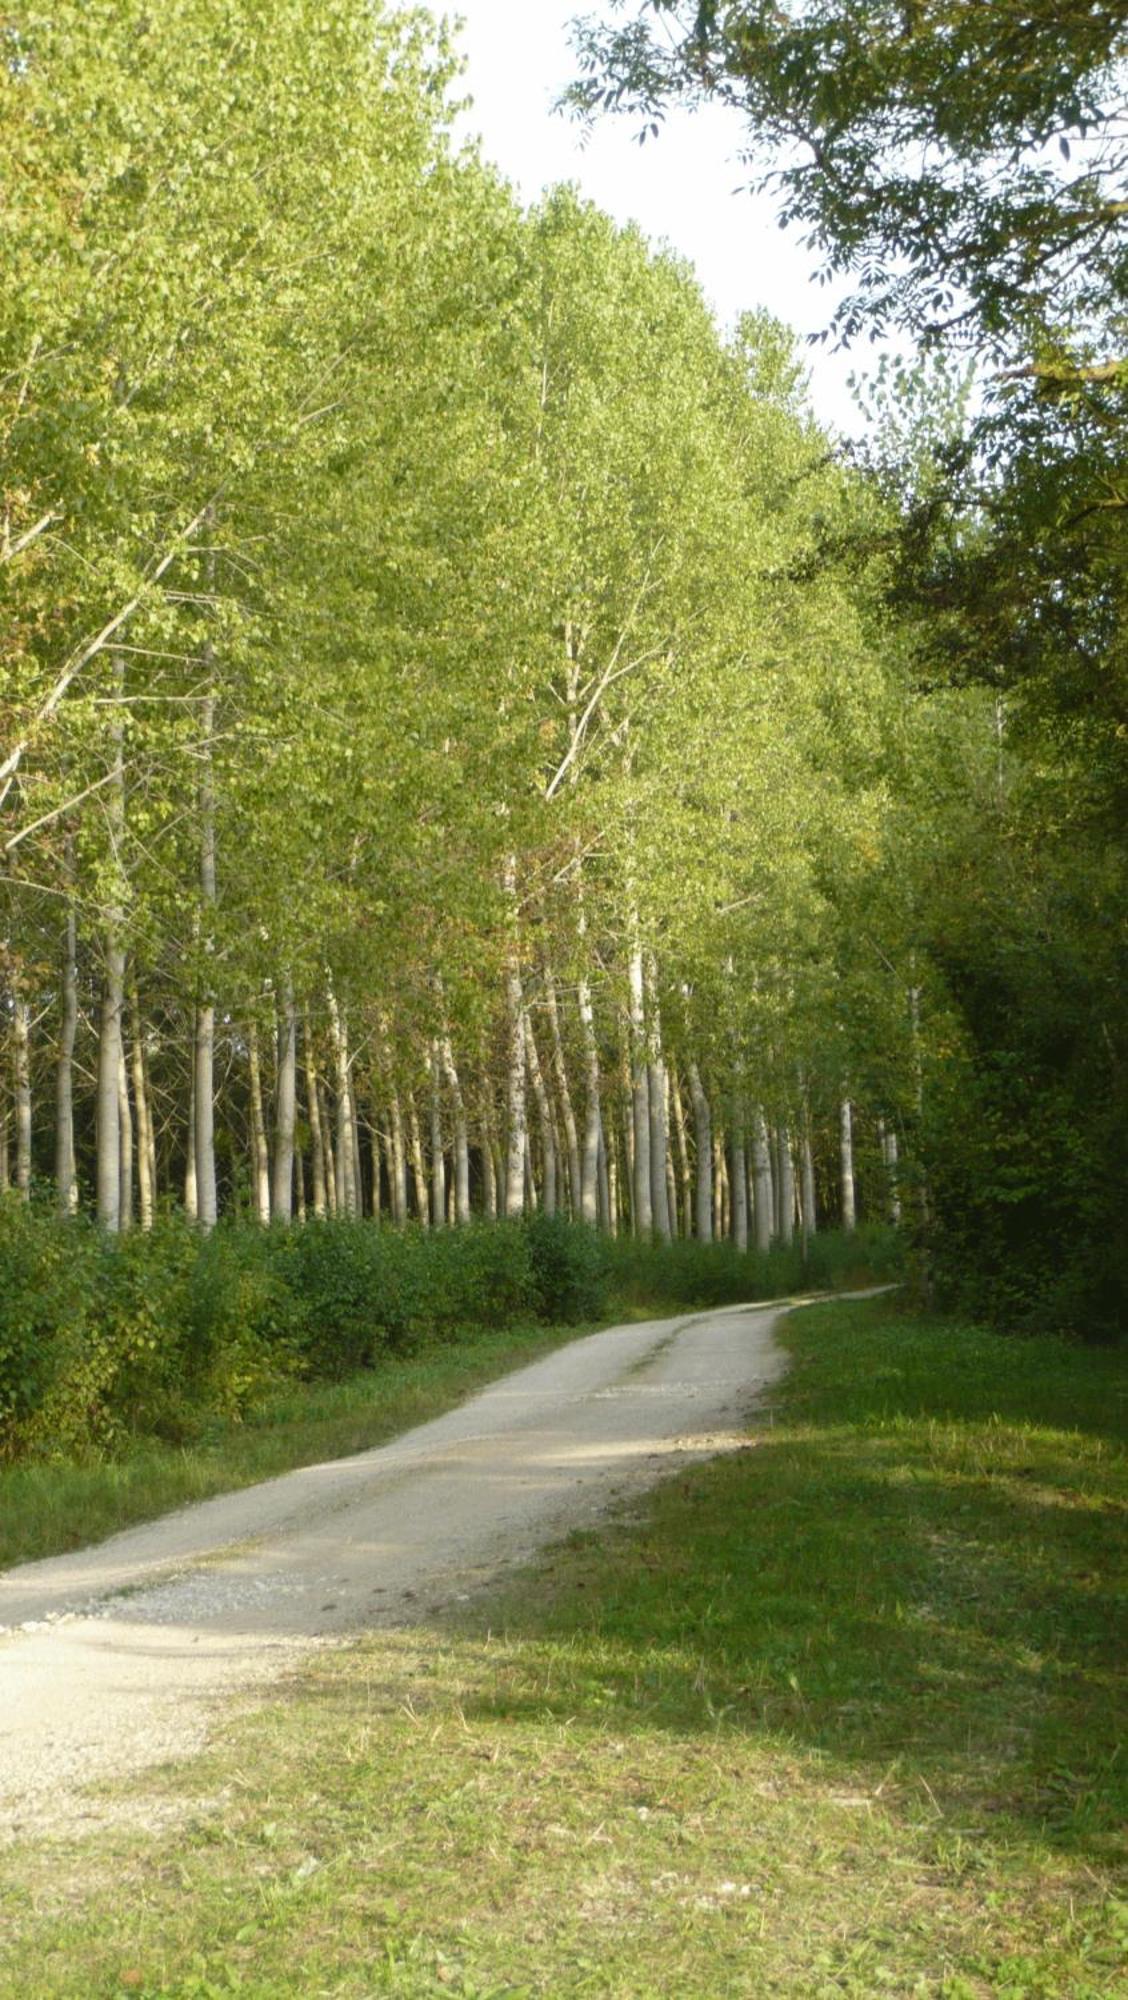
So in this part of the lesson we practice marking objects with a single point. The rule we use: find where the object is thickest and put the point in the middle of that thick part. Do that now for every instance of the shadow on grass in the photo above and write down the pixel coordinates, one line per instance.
(918, 1572)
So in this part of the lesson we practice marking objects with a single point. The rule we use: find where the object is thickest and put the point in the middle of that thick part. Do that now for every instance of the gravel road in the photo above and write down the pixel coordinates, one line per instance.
(120, 1657)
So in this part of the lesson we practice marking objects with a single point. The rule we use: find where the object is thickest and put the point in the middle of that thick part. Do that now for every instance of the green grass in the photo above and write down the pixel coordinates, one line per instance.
(839, 1714)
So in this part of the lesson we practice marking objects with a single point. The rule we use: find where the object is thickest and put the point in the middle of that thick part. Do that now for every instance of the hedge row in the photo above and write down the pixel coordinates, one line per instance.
(104, 1339)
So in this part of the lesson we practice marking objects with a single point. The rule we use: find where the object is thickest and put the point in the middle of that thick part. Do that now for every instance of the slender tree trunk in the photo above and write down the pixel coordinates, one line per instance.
(347, 1191)
(107, 1111)
(544, 1116)
(739, 1180)
(146, 1146)
(316, 1132)
(286, 1103)
(206, 1205)
(5, 1157)
(489, 1168)
(593, 1117)
(515, 1075)
(418, 1170)
(65, 1175)
(327, 1142)
(722, 1204)
(888, 1138)
(190, 1201)
(438, 1157)
(125, 1144)
(461, 1136)
(846, 1157)
(762, 1181)
(567, 1109)
(703, 1142)
(610, 1153)
(21, 1090)
(260, 1160)
(640, 1092)
(397, 1160)
(681, 1147)
(786, 1187)
(809, 1213)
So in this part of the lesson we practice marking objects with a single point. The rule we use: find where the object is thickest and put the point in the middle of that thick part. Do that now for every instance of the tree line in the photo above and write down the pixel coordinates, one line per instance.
(464, 743)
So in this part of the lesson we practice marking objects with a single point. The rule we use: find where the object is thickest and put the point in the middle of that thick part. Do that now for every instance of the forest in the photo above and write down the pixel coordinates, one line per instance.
(472, 747)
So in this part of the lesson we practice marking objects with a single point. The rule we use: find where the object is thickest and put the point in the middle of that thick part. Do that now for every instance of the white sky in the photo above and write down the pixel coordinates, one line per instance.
(678, 188)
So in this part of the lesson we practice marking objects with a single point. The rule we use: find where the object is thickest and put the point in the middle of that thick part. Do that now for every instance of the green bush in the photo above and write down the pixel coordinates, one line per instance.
(104, 1339)
(570, 1269)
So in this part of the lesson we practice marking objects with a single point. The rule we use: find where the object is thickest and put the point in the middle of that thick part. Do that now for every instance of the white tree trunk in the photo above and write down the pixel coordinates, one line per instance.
(516, 1103)
(125, 1153)
(593, 1115)
(889, 1156)
(809, 1213)
(347, 1192)
(846, 1157)
(563, 1092)
(762, 1181)
(659, 1132)
(285, 1113)
(206, 1208)
(703, 1142)
(190, 1138)
(786, 1187)
(739, 1181)
(397, 1160)
(544, 1118)
(21, 1083)
(438, 1157)
(681, 1211)
(316, 1130)
(418, 1170)
(640, 1093)
(260, 1161)
(461, 1136)
(65, 1176)
(146, 1145)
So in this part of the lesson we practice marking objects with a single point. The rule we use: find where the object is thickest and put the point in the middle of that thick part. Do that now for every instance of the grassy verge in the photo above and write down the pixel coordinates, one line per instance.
(837, 1715)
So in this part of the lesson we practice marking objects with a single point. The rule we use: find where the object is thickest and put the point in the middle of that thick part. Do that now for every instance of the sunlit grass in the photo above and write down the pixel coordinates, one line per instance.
(836, 1715)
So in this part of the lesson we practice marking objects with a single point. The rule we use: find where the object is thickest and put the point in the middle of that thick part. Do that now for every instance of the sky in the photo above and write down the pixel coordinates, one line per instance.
(680, 188)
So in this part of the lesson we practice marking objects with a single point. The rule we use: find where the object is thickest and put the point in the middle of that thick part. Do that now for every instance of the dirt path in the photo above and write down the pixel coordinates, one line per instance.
(117, 1657)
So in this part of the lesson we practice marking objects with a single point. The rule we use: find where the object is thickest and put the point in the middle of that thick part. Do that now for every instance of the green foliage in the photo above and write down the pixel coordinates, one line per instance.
(104, 1340)
(691, 1274)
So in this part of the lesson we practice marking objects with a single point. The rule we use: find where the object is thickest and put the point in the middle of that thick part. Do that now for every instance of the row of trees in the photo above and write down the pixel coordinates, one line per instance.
(460, 744)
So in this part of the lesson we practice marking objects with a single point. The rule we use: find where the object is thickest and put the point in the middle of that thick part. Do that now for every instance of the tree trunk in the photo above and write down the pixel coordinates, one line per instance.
(206, 1208)
(762, 1181)
(489, 1168)
(316, 1131)
(418, 1170)
(846, 1156)
(544, 1117)
(515, 1073)
(809, 1216)
(327, 1142)
(190, 1204)
(125, 1143)
(21, 1089)
(65, 1176)
(347, 1192)
(567, 1109)
(593, 1116)
(703, 1142)
(739, 1181)
(260, 1160)
(286, 1109)
(640, 1092)
(438, 1157)
(397, 1160)
(681, 1147)
(786, 1187)
(461, 1136)
(146, 1147)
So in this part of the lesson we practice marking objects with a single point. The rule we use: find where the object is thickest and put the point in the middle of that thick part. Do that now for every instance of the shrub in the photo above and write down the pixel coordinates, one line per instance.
(570, 1269)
